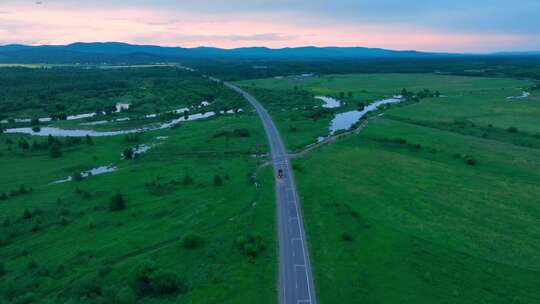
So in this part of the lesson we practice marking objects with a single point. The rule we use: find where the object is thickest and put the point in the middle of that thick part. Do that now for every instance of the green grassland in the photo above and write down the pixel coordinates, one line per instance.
(291, 103)
(62, 243)
(434, 202)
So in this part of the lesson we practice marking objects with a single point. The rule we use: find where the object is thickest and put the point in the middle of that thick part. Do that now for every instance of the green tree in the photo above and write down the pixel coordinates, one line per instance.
(188, 180)
(128, 153)
(117, 203)
(150, 280)
(192, 240)
(89, 140)
(218, 182)
(55, 151)
(77, 176)
(23, 144)
(27, 214)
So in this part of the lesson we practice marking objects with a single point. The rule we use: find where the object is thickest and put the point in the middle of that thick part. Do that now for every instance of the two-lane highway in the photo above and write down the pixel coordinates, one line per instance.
(295, 277)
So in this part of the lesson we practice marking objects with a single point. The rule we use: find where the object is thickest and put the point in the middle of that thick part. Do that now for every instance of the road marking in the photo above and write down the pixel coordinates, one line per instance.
(281, 161)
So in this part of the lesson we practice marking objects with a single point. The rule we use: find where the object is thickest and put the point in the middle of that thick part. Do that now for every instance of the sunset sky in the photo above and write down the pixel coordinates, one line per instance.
(456, 26)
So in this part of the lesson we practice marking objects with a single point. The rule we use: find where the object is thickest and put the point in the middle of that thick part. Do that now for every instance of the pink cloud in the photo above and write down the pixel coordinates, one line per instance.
(45, 24)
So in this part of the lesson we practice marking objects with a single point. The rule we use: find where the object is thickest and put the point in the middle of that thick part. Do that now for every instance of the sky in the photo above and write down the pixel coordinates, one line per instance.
(473, 26)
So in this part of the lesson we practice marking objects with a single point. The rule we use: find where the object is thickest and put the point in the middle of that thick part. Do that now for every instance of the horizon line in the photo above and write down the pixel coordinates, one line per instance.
(270, 48)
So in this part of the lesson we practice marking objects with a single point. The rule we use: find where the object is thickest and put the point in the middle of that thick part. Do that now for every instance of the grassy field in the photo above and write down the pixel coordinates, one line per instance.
(434, 202)
(301, 120)
(195, 229)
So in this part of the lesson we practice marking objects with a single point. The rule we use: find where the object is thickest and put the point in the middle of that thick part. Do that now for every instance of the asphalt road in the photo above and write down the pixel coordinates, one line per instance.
(295, 276)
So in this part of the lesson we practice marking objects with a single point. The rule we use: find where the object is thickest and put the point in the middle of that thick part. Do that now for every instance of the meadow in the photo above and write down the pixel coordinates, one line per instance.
(301, 119)
(434, 201)
(184, 222)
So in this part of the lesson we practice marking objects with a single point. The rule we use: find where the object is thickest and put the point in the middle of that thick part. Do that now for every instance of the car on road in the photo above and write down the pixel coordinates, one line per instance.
(280, 173)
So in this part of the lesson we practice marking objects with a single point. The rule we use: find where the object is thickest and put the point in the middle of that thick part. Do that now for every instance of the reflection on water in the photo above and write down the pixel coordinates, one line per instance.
(329, 102)
(344, 121)
(91, 172)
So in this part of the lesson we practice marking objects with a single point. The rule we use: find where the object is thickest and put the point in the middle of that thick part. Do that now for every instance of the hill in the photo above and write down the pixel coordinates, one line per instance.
(123, 52)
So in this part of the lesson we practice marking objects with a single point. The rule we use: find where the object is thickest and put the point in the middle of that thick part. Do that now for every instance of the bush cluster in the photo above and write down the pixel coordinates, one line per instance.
(250, 245)
(151, 281)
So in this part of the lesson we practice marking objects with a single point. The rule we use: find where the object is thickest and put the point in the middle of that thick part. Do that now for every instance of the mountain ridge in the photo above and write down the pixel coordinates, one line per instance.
(96, 52)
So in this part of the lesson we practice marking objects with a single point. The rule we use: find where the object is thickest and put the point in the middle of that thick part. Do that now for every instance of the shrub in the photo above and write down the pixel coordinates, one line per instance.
(36, 227)
(469, 160)
(132, 138)
(23, 144)
(88, 287)
(77, 176)
(27, 214)
(298, 167)
(117, 203)
(513, 130)
(347, 237)
(3, 196)
(55, 151)
(250, 245)
(64, 222)
(218, 182)
(191, 241)
(188, 180)
(399, 140)
(32, 264)
(241, 132)
(2, 269)
(149, 280)
(124, 296)
(89, 140)
(128, 153)
(23, 189)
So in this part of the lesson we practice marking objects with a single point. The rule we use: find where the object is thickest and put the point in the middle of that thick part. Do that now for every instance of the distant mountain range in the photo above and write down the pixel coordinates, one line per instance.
(115, 52)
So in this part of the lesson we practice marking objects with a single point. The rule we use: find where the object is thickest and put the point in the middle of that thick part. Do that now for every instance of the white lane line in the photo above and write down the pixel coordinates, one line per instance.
(303, 248)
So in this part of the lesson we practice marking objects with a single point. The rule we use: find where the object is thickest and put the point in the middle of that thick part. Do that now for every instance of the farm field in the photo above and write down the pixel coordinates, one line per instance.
(434, 202)
(190, 226)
